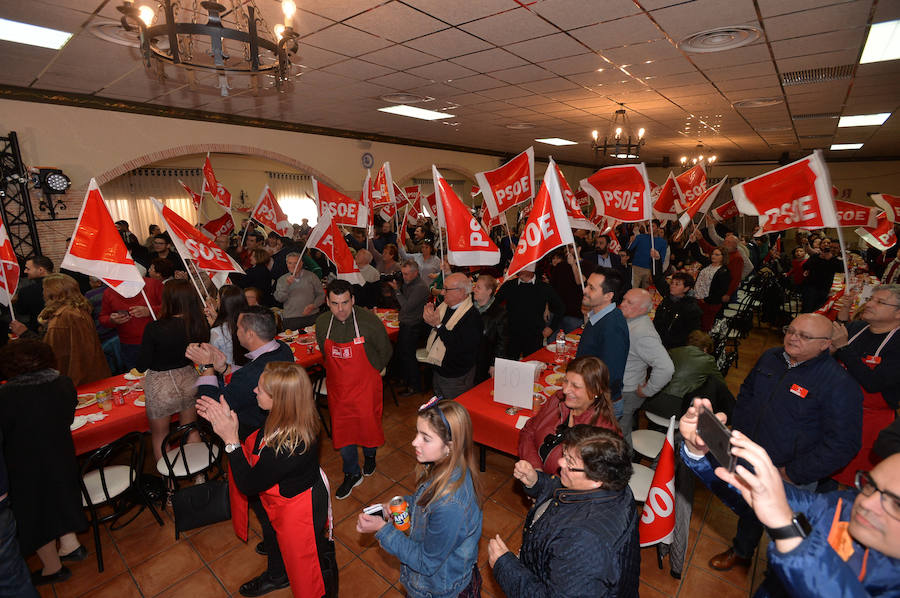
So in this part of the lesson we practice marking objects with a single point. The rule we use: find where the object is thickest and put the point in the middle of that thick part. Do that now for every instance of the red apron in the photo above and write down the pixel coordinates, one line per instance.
(877, 415)
(354, 392)
(292, 520)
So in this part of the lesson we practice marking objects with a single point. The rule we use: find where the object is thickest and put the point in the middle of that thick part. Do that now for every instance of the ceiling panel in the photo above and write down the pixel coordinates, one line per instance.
(345, 40)
(462, 12)
(691, 17)
(396, 22)
(825, 42)
(477, 83)
(338, 10)
(399, 57)
(573, 65)
(509, 27)
(448, 43)
(814, 61)
(567, 14)
(559, 45)
(629, 30)
(489, 60)
(522, 74)
(358, 69)
(441, 71)
(847, 15)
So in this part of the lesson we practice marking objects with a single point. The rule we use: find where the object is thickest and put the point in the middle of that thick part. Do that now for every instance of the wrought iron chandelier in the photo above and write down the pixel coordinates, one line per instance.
(233, 41)
(702, 154)
(620, 141)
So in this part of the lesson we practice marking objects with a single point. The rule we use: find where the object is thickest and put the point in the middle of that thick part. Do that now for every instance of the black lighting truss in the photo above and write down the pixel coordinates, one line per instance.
(15, 202)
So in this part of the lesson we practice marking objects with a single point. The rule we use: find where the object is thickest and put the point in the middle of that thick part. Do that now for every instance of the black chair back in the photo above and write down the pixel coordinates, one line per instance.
(179, 437)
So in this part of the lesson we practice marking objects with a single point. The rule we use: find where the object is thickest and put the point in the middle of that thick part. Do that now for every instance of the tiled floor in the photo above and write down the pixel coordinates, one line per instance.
(144, 559)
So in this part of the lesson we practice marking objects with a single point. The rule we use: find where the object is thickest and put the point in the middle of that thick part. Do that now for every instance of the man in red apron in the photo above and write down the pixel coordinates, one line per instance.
(356, 348)
(870, 350)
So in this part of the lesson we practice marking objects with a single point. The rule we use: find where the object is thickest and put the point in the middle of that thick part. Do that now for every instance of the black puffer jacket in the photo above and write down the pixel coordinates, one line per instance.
(585, 544)
(494, 340)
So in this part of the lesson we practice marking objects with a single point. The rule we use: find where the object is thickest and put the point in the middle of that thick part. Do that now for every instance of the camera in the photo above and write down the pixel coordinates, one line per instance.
(398, 276)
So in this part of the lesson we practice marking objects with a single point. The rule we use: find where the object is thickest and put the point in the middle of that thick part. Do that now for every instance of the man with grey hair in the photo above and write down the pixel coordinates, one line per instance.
(870, 350)
(453, 343)
(645, 352)
(301, 294)
(411, 294)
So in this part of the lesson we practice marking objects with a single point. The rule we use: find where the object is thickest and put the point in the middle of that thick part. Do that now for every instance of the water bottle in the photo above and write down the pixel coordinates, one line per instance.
(560, 346)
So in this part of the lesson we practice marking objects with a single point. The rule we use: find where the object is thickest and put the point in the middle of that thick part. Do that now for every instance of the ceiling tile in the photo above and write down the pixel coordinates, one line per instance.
(755, 53)
(771, 8)
(448, 43)
(477, 83)
(662, 68)
(358, 69)
(569, 14)
(509, 27)
(630, 30)
(847, 15)
(813, 61)
(668, 82)
(755, 69)
(583, 63)
(549, 85)
(399, 57)
(691, 17)
(60, 18)
(748, 83)
(339, 10)
(521, 74)
(638, 53)
(508, 92)
(400, 81)
(489, 60)
(549, 47)
(315, 58)
(441, 71)
(396, 22)
(306, 22)
(532, 99)
(814, 44)
(344, 40)
(462, 12)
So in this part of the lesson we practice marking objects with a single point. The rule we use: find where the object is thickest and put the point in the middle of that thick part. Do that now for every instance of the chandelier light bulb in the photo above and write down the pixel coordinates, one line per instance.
(641, 133)
(700, 157)
(594, 134)
(711, 159)
(694, 161)
(279, 31)
(145, 14)
(684, 159)
(288, 8)
(618, 132)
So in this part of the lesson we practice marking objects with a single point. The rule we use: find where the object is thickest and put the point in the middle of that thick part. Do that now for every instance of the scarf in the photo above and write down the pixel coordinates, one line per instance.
(435, 346)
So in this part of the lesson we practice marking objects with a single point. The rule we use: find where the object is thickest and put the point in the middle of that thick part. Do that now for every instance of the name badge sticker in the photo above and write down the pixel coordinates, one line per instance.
(872, 360)
(799, 391)
(359, 340)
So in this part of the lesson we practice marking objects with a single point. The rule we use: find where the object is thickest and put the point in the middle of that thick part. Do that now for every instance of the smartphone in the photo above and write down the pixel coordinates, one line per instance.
(374, 510)
(717, 437)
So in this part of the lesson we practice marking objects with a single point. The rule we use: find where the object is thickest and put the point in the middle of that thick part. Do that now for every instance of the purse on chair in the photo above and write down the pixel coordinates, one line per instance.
(202, 504)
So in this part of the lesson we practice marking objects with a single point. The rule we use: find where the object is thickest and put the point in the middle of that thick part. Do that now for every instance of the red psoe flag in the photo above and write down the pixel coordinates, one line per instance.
(9, 268)
(383, 188)
(222, 225)
(620, 192)
(882, 236)
(547, 227)
(889, 203)
(191, 244)
(268, 213)
(794, 196)
(196, 198)
(467, 243)
(219, 193)
(344, 210)
(97, 249)
(854, 214)
(726, 211)
(431, 204)
(658, 517)
(701, 203)
(509, 185)
(328, 239)
(577, 219)
(692, 183)
(668, 202)
(365, 200)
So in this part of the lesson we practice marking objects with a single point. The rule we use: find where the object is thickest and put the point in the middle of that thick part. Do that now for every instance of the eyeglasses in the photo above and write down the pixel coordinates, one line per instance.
(883, 302)
(802, 335)
(574, 469)
(890, 502)
(452, 289)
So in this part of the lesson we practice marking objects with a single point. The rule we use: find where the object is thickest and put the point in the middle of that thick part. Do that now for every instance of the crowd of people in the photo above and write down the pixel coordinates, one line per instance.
(815, 412)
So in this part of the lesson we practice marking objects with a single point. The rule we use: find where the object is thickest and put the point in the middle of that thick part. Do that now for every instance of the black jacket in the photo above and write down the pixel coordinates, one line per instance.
(494, 340)
(239, 391)
(718, 287)
(525, 304)
(461, 343)
(675, 319)
(584, 544)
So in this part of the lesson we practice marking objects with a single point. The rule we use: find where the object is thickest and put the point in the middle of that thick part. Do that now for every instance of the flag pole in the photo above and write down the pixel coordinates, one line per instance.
(844, 257)
(246, 230)
(299, 261)
(578, 265)
(147, 301)
(194, 282)
(652, 262)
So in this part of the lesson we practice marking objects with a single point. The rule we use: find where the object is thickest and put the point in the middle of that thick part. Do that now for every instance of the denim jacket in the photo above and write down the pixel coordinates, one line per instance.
(440, 552)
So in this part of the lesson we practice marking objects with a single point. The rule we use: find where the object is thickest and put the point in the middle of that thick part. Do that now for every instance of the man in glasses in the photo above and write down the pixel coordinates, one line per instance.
(844, 543)
(870, 350)
(804, 409)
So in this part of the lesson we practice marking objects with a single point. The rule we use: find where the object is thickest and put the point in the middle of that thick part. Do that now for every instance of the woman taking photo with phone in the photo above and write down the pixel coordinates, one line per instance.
(280, 463)
(439, 558)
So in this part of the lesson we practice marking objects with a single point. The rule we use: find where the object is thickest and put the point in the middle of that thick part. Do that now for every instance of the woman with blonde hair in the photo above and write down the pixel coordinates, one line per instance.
(69, 330)
(439, 558)
(280, 463)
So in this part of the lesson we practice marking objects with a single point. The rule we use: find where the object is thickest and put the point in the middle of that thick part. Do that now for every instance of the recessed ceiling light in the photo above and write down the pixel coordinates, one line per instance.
(519, 126)
(864, 120)
(23, 33)
(556, 141)
(758, 103)
(845, 146)
(413, 112)
(882, 43)
(719, 39)
(404, 98)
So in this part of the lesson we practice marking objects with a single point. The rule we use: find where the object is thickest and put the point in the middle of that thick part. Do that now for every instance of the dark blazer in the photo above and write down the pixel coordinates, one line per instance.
(675, 319)
(589, 262)
(609, 341)
(494, 340)
(459, 357)
(718, 287)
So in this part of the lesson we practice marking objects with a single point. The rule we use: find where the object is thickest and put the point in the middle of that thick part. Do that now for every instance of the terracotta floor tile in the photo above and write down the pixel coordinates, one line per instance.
(396, 464)
(333, 469)
(85, 576)
(645, 591)
(347, 507)
(512, 496)
(343, 554)
(488, 583)
(238, 566)
(386, 565)
(120, 586)
(47, 591)
(374, 489)
(87, 538)
(346, 532)
(659, 579)
(215, 540)
(166, 568)
(137, 548)
(393, 592)
(720, 524)
(483, 550)
(493, 478)
(699, 583)
(499, 520)
(202, 583)
(140, 523)
(708, 547)
(358, 580)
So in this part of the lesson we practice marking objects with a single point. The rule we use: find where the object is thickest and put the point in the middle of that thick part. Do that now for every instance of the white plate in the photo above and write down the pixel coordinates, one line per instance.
(310, 329)
(551, 389)
(139, 402)
(86, 403)
(78, 422)
(130, 376)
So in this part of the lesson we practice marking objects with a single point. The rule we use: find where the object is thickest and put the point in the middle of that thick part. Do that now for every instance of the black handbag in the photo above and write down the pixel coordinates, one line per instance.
(202, 504)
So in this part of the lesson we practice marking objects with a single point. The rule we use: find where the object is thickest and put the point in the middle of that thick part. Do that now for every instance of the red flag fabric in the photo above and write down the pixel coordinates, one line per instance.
(701, 203)
(222, 225)
(669, 201)
(467, 243)
(547, 227)
(692, 183)
(219, 193)
(328, 239)
(854, 214)
(192, 245)
(486, 221)
(794, 196)
(882, 236)
(268, 213)
(614, 245)
(620, 192)
(365, 200)
(97, 249)
(508, 185)
(383, 192)
(413, 195)
(889, 203)
(658, 517)
(196, 198)
(726, 211)
(577, 219)
(9, 268)
(344, 210)
(402, 233)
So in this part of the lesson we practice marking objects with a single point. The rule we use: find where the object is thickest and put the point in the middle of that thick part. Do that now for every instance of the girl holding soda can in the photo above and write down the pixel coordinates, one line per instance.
(439, 557)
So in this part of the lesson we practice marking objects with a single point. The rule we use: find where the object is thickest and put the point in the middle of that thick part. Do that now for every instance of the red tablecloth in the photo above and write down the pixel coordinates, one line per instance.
(307, 358)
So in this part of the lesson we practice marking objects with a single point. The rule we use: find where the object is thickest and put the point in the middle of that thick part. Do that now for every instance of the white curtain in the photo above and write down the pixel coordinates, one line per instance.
(294, 193)
(128, 196)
